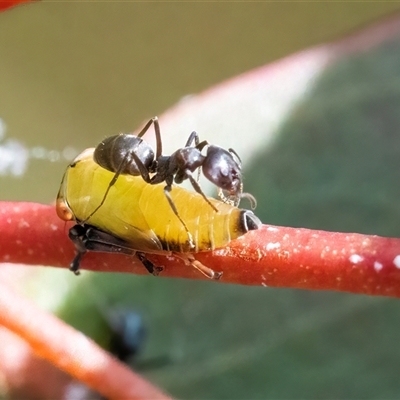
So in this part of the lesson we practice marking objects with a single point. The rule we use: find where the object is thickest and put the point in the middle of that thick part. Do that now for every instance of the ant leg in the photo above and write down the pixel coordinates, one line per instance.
(201, 145)
(167, 189)
(111, 184)
(155, 179)
(190, 260)
(208, 272)
(197, 188)
(139, 163)
(193, 136)
(143, 170)
(154, 121)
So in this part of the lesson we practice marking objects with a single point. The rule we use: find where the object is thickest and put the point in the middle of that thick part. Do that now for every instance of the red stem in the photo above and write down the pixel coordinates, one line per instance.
(272, 256)
(71, 351)
(5, 4)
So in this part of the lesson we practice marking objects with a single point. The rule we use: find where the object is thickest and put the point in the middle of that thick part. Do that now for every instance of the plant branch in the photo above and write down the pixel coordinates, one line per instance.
(71, 351)
(272, 256)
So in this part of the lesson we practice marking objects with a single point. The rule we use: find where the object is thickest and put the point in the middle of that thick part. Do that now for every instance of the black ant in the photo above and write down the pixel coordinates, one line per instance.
(130, 154)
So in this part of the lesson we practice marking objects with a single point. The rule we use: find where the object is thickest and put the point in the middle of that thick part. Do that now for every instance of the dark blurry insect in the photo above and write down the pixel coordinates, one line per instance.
(128, 333)
(128, 154)
(135, 219)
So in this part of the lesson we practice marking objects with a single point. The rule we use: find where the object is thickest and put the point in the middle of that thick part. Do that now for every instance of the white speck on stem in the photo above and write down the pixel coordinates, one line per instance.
(396, 261)
(377, 266)
(271, 246)
(355, 258)
(23, 224)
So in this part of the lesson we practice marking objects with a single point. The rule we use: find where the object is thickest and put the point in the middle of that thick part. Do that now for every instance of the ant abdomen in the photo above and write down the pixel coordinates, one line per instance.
(112, 154)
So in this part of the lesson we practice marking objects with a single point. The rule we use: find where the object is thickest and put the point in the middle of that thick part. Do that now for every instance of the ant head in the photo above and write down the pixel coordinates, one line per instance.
(223, 168)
